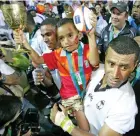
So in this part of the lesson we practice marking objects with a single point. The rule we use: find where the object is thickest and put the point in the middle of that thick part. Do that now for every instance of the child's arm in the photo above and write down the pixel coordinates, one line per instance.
(93, 50)
(21, 39)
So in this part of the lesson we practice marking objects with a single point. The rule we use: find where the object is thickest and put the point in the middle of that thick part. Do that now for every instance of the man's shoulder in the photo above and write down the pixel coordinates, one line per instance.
(98, 73)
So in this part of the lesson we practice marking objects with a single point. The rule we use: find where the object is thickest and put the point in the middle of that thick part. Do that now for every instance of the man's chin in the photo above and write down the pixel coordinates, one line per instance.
(113, 85)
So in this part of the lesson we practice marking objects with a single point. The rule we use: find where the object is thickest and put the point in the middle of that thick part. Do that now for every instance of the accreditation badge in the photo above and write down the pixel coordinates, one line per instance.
(78, 78)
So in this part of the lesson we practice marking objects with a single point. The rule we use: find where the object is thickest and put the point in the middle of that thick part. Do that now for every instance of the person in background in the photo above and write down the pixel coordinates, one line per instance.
(118, 26)
(101, 23)
(38, 18)
(48, 11)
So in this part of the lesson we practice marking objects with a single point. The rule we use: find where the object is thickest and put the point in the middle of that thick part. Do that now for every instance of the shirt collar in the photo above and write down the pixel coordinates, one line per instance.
(63, 52)
(111, 28)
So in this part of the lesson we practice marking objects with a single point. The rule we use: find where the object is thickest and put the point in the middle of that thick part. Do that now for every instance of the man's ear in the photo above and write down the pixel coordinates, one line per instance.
(80, 35)
(136, 64)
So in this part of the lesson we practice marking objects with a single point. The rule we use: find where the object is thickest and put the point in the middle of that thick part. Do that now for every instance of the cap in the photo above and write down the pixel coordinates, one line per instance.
(121, 6)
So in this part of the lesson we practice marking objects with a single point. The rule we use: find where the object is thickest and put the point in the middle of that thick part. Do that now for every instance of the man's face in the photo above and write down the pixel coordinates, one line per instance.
(48, 33)
(118, 67)
(68, 37)
(136, 12)
(117, 18)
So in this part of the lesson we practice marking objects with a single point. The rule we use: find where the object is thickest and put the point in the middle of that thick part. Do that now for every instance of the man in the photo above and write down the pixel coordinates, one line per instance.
(48, 11)
(38, 18)
(47, 43)
(109, 104)
(101, 23)
(118, 26)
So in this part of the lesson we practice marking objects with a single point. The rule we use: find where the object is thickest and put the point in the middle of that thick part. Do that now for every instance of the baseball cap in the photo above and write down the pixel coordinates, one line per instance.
(121, 6)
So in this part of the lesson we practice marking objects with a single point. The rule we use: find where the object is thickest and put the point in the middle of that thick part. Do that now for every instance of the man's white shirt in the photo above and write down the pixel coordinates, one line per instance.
(116, 106)
(41, 48)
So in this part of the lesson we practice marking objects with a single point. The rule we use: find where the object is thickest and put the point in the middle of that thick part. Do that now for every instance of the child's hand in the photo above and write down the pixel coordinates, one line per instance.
(93, 21)
(20, 38)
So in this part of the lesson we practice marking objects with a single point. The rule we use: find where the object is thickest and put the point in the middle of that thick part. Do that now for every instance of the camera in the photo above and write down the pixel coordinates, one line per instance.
(30, 121)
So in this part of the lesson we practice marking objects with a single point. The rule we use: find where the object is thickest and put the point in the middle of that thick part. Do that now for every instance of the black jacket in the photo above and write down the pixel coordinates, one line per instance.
(104, 39)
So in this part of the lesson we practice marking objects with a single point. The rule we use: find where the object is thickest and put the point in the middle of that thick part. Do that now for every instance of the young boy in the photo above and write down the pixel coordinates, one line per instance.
(74, 61)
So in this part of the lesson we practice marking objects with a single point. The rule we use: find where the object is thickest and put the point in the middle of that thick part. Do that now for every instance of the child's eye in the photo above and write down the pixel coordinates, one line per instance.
(70, 35)
(61, 38)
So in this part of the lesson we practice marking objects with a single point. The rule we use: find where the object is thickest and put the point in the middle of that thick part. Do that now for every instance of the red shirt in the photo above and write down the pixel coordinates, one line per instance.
(58, 60)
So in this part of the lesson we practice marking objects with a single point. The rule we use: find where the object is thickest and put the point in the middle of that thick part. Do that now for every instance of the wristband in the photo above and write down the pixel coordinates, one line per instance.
(64, 122)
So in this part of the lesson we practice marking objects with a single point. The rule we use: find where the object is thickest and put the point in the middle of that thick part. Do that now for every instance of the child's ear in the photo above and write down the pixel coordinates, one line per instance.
(80, 35)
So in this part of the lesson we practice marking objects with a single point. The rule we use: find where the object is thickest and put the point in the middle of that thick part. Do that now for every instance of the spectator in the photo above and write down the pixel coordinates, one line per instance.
(68, 11)
(38, 18)
(118, 26)
(101, 23)
(48, 11)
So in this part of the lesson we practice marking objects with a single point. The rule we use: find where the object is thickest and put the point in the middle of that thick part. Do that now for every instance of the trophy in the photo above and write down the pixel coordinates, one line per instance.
(15, 16)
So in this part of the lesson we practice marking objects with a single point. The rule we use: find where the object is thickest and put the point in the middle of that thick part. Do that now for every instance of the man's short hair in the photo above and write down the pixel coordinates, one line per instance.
(9, 106)
(125, 45)
(50, 21)
(64, 21)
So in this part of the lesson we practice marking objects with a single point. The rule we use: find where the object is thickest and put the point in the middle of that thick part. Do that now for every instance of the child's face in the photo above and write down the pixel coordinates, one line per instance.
(68, 37)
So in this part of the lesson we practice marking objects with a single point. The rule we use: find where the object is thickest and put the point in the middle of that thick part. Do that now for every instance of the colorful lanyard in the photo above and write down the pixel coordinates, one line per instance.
(81, 71)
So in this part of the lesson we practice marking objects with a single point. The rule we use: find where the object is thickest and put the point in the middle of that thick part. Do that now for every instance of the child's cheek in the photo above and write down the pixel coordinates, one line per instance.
(76, 40)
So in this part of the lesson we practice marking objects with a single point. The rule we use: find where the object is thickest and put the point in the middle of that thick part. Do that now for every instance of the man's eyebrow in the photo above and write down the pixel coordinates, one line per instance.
(121, 64)
(46, 33)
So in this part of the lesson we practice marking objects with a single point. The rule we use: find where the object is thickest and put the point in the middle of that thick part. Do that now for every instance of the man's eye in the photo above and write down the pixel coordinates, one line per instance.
(111, 64)
(48, 34)
(123, 67)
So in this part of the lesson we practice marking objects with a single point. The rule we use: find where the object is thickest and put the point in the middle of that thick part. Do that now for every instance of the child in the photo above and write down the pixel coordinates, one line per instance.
(74, 62)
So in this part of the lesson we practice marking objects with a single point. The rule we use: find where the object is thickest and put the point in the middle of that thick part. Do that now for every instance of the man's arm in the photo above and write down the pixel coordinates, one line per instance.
(107, 131)
(79, 132)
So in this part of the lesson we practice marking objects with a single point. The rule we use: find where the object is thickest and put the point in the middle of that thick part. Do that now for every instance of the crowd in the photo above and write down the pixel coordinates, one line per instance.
(65, 82)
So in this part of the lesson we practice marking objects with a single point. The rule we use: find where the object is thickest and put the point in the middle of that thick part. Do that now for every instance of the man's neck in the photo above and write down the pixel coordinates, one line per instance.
(104, 83)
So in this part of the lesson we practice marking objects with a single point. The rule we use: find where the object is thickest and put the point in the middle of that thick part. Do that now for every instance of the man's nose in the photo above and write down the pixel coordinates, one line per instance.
(45, 39)
(116, 72)
(114, 16)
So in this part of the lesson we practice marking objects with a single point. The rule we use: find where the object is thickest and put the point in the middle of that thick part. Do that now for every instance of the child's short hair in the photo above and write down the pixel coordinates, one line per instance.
(64, 21)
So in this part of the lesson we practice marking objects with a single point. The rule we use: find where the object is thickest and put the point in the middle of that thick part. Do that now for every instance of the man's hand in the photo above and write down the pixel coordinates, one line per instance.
(38, 75)
(60, 118)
